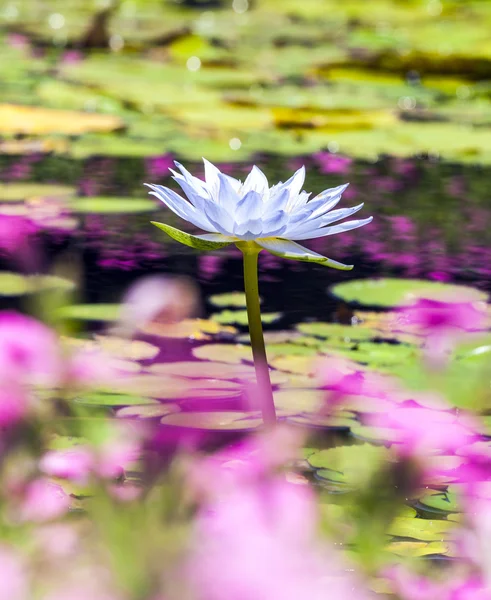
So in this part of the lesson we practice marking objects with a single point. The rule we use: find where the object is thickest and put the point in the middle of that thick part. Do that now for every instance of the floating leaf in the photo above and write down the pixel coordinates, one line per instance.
(14, 284)
(230, 299)
(103, 399)
(353, 465)
(333, 330)
(426, 530)
(239, 317)
(227, 353)
(440, 502)
(90, 312)
(112, 205)
(116, 347)
(397, 292)
(14, 192)
(213, 370)
(215, 421)
(415, 549)
(147, 411)
(35, 120)
(298, 400)
(196, 329)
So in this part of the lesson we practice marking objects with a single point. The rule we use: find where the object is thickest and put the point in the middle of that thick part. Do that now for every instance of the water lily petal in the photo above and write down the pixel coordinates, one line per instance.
(309, 224)
(181, 207)
(249, 230)
(324, 231)
(199, 186)
(289, 249)
(256, 181)
(193, 194)
(227, 194)
(199, 242)
(249, 207)
(212, 179)
(219, 217)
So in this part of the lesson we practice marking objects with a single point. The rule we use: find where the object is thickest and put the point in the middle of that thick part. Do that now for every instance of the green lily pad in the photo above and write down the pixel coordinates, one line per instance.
(227, 353)
(215, 421)
(14, 192)
(231, 299)
(168, 387)
(328, 422)
(102, 399)
(352, 465)
(195, 329)
(426, 530)
(213, 370)
(239, 317)
(300, 365)
(147, 411)
(90, 312)
(299, 401)
(398, 292)
(109, 205)
(333, 330)
(14, 284)
(440, 502)
(413, 549)
(116, 347)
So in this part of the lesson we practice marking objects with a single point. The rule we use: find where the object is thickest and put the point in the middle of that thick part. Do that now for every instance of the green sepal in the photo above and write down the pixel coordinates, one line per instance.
(187, 239)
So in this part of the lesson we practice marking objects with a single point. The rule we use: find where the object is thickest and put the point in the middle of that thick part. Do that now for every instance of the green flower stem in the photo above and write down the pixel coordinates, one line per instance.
(251, 251)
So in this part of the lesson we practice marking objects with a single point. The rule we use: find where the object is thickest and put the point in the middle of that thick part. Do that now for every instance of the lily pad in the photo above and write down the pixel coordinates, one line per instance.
(440, 502)
(14, 192)
(102, 399)
(413, 549)
(231, 299)
(333, 330)
(299, 401)
(213, 370)
(112, 205)
(14, 284)
(90, 312)
(399, 292)
(115, 347)
(426, 530)
(215, 421)
(147, 411)
(195, 329)
(239, 317)
(36, 120)
(352, 465)
(227, 353)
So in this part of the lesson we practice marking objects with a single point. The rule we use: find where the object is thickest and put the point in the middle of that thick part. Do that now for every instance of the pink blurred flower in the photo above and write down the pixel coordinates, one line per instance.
(13, 579)
(74, 465)
(343, 379)
(158, 166)
(247, 462)
(443, 324)
(14, 404)
(419, 431)
(43, 501)
(259, 542)
(58, 540)
(409, 586)
(332, 163)
(115, 455)
(29, 350)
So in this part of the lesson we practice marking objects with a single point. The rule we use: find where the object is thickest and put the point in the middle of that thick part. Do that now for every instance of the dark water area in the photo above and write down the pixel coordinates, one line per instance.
(432, 220)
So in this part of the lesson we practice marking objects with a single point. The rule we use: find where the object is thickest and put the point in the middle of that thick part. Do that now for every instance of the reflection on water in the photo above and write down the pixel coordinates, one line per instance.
(431, 221)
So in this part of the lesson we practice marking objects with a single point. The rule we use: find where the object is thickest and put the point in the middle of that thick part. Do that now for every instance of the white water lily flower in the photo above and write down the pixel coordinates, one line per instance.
(271, 217)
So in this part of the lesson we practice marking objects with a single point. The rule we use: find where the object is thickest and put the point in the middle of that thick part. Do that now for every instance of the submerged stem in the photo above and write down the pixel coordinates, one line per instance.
(251, 252)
